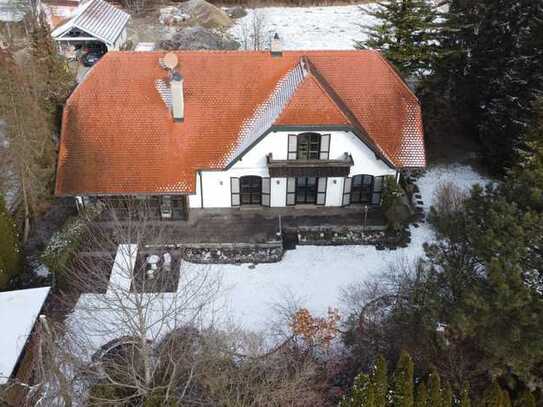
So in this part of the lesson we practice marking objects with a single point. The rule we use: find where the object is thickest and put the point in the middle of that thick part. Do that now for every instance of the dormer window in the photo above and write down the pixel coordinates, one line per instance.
(308, 146)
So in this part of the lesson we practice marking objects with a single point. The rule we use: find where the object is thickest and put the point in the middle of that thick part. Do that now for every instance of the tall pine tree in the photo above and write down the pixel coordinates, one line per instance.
(434, 387)
(10, 254)
(404, 382)
(421, 399)
(404, 34)
(489, 71)
(380, 381)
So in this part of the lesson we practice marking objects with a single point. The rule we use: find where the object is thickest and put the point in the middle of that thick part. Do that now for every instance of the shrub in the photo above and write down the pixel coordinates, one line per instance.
(396, 211)
(63, 245)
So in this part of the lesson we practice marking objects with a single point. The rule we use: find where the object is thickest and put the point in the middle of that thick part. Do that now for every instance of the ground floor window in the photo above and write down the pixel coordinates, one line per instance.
(361, 189)
(250, 190)
(306, 190)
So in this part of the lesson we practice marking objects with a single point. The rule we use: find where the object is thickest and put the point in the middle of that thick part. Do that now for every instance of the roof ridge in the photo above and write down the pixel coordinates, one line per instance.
(267, 112)
(350, 115)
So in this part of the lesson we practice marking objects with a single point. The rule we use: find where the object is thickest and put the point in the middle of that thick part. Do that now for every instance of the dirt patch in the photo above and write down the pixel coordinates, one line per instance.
(206, 14)
(199, 38)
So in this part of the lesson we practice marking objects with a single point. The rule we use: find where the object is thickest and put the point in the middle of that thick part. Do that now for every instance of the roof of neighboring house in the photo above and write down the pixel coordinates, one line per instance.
(97, 18)
(118, 136)
(19, 310)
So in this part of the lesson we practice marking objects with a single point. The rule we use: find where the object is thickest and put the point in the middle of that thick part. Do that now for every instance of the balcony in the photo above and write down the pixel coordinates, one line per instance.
(310, 168)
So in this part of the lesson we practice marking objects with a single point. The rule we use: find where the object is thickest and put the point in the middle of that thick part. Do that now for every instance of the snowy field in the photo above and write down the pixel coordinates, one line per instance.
(307, 28)
(249, 295)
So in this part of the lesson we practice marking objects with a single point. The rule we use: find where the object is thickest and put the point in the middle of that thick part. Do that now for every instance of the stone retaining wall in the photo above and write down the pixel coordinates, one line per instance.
(233, 253)
(352, 235)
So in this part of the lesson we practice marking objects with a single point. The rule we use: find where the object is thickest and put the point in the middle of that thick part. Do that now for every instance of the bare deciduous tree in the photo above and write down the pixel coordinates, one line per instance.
(29, 132)
(142, 301)
(132, 339)
(254, 31)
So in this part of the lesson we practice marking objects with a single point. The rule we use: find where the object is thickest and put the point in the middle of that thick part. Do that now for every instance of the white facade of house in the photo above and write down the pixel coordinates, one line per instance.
(214, 188)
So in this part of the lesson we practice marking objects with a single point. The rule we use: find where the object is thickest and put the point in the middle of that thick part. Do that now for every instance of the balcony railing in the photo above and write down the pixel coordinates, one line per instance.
(310, 168)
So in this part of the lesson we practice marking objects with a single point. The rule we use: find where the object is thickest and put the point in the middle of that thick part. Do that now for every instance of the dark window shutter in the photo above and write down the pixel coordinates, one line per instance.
(266, 187)
(292, 146)
(378, 188)
(321, 191)
(291, 191)
(347, 182)
(234, 190)
(325, 147)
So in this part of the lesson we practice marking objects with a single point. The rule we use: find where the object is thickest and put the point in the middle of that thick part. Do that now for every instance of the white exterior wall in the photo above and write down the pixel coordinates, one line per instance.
(216, 184)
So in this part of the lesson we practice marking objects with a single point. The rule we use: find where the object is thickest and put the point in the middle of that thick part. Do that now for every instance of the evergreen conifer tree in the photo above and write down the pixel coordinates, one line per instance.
(526, 399)
(447, 395)
(10, 254)
(404, 34)
(434, 387)
(465, 400)
(380, 382)
(492, 396)
(506, 399)
(421, 399)
(404, 382)
(49, 71)
(362, 393)
(489, 70)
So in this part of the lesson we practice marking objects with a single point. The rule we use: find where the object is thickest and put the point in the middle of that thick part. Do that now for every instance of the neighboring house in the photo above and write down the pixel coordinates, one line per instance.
(238, 129)
(19, 311)
(95, 24)
(58, 12)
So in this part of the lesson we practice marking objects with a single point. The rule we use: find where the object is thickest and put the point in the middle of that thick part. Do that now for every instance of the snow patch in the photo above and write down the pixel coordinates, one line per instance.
(18, 312)
(311, 28)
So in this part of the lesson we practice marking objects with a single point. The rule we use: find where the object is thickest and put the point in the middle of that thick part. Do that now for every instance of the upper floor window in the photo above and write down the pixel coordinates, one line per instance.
(308, 146)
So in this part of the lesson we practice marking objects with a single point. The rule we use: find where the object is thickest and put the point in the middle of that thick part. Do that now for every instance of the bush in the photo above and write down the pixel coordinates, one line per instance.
(63, 245)
(397, 212)
(10, 252)
(448, 203)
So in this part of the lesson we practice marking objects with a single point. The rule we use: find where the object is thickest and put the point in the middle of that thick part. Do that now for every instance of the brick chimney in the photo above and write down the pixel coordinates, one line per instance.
(178, 103)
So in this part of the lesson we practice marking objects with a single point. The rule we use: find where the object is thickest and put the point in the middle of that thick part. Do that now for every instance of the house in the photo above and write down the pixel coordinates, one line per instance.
(236, 129)
(95, 24)
(58, 12)
(19, 311)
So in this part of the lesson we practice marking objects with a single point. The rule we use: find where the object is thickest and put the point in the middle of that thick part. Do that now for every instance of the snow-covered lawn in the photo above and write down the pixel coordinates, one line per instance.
(314, 276)
(334, 27)
(310, 276)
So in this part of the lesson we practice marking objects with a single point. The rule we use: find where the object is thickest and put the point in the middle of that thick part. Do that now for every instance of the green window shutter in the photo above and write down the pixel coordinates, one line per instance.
(325, 147)
(292, 146)
(266, 189)
(234, 190)
(321, 190)
(291, 191)
(347, 182)
(378, 188)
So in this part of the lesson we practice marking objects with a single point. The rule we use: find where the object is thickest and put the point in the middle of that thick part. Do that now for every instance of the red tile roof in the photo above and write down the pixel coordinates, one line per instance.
(118, 136)
(312, 105)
